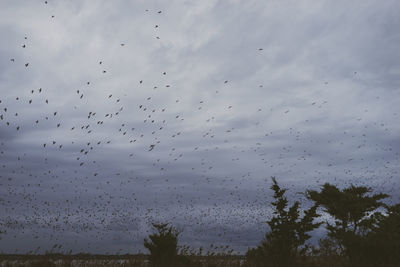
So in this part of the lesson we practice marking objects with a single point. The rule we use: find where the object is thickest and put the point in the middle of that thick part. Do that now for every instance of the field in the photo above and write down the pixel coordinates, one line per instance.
(88, 260)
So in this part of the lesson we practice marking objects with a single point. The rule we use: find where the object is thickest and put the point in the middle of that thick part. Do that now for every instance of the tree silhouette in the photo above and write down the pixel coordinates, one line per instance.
(285, 242)
(382, 243)
(163, 246)
(354, 211)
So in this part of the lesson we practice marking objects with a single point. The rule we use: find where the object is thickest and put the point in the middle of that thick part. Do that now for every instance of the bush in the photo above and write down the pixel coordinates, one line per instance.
(163, 246)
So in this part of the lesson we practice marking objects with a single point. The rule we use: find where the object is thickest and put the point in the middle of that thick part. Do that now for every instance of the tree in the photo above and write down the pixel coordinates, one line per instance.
(327, 254)
(163, 246)
(382, 243)
(285, 242)
(352, 210)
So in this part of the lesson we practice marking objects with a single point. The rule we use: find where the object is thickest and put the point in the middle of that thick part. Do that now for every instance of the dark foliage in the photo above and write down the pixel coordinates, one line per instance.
(163, 246)
(382, 244)
(284, 245)
(355, 213)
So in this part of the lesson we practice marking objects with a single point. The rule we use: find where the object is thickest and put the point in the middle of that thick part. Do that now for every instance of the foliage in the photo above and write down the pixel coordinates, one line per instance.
(327, 254)
(382, 244)
(284, 244)
(354, 212)
(163, 246)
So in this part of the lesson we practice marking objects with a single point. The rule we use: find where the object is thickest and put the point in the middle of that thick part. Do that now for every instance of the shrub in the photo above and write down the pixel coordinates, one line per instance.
(163, 246)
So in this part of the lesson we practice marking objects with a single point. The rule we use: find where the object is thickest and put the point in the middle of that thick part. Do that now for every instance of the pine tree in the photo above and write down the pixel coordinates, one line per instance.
(284, 244)
(163, 246)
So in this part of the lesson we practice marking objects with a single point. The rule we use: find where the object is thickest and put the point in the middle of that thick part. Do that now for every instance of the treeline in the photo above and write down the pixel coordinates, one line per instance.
(361, 231)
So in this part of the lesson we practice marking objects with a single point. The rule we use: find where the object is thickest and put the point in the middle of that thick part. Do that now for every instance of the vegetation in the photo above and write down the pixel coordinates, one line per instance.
(284, 244)
(163, 246)
(354, 213)
(381, 245)
(361, 231)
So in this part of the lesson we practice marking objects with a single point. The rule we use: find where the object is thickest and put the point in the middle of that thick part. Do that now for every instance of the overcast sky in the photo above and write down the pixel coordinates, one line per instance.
(116, 114)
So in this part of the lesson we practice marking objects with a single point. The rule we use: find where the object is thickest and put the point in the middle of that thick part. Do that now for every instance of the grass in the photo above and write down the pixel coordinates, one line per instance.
(88, 260)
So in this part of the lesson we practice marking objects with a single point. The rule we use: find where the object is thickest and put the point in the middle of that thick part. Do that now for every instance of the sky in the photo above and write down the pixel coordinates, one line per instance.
(118, 114)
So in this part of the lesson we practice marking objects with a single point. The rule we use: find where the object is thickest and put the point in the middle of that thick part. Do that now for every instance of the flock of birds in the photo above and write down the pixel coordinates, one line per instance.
(84, 178)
